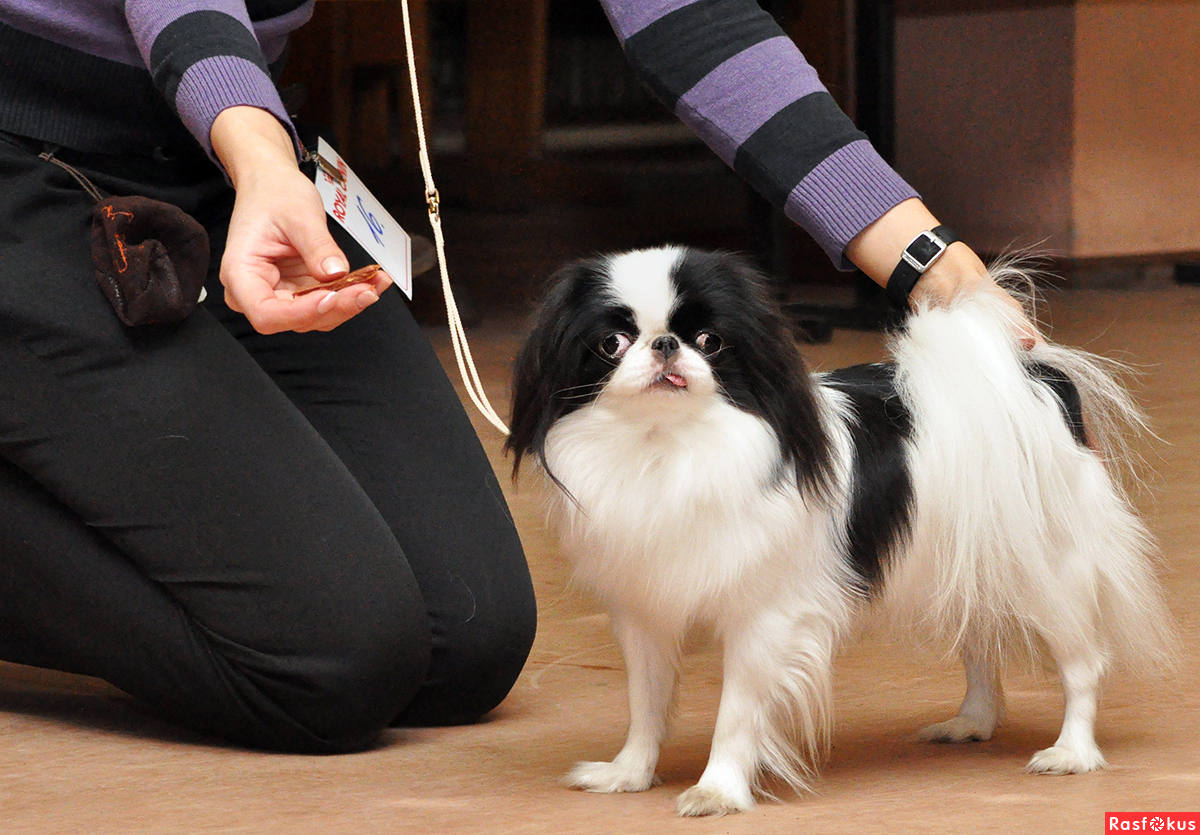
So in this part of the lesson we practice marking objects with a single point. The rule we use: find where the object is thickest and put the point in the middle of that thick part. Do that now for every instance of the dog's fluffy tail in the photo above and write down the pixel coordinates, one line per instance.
(1020, 530)
(1113, 419)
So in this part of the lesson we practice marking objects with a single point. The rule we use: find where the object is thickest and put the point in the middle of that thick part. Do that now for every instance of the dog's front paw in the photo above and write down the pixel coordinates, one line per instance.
(1063, 760)
(959, 729)
(609, 777)
(699, 801)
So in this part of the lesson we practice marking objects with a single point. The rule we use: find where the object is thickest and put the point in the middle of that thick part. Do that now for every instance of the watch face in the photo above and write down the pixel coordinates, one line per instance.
(924, 248)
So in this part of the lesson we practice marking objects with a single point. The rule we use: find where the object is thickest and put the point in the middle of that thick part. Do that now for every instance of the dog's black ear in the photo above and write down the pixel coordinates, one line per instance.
(763, 373)
(549, 360)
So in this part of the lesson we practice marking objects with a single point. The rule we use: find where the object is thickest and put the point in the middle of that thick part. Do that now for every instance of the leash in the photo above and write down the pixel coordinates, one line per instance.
(458, 334)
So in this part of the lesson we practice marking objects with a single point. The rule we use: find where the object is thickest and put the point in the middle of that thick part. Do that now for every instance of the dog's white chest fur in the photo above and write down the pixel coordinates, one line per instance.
(673, 515)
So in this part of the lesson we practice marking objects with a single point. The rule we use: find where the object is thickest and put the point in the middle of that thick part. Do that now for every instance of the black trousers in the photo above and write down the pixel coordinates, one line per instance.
(289, 541)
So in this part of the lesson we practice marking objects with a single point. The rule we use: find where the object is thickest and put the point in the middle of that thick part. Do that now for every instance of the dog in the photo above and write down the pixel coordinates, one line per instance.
(702, 476)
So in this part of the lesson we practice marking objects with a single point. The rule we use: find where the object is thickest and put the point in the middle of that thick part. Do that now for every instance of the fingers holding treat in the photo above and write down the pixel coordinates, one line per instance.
(362, 275)
(274, 306)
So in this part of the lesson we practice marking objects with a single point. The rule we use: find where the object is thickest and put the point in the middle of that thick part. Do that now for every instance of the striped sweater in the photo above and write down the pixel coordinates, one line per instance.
(121, 76)
(729, 72)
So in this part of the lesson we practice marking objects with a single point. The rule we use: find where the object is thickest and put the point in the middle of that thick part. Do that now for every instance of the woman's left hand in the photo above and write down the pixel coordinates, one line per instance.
(876, 251)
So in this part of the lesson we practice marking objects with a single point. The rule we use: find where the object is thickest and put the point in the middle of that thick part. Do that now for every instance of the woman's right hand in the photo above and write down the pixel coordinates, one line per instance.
(278, 240)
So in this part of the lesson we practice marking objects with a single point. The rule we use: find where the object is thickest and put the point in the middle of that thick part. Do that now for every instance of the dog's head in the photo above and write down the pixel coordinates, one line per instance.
(659, 336)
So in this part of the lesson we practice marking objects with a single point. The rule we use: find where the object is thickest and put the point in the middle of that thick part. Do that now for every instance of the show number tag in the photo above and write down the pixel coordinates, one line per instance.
(348, 202)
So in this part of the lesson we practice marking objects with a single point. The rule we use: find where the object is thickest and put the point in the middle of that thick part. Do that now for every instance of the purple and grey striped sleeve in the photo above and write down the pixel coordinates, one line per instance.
(204, 57)
(729, 72)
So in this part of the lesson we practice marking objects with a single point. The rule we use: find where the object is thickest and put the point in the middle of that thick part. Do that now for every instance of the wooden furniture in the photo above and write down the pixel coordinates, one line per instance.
(349, 58)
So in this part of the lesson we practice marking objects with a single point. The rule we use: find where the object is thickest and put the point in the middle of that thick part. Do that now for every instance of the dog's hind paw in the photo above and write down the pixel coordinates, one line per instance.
(608, 778)
(699, 801)
(959, 729)
(1062, 760)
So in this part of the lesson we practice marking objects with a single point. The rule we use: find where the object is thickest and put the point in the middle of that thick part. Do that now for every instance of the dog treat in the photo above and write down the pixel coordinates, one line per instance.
(357, 277)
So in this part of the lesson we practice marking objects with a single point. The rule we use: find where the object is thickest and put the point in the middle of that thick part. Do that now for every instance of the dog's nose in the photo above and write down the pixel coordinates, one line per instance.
(665, 345)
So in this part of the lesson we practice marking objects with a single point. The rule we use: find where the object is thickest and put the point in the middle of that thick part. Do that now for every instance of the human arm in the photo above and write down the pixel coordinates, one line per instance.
(727, 70)
(204, 56)
(207, 63)
(278, 238)
(959, 271)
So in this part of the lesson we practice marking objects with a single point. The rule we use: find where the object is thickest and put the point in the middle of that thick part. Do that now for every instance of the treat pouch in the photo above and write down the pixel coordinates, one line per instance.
(150, 259)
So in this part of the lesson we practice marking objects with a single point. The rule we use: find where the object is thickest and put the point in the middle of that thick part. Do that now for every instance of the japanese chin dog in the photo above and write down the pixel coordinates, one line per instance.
(701, 476)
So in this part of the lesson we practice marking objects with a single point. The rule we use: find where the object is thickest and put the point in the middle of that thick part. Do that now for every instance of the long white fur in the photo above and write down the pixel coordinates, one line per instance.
(1022, 537)
(1019, 536)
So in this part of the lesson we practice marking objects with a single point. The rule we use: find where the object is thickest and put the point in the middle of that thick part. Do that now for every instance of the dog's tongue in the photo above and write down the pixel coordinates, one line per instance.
(675, 380)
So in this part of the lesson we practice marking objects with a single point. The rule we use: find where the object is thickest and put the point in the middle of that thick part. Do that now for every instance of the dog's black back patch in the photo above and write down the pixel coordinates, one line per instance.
(881, 485)
(1067, 395)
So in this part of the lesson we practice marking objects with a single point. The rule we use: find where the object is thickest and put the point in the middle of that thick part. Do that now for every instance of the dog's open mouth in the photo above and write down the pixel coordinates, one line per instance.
(669, 381)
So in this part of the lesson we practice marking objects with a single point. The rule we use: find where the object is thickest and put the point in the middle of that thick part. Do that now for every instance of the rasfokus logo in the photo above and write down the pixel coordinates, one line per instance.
(1151, 821)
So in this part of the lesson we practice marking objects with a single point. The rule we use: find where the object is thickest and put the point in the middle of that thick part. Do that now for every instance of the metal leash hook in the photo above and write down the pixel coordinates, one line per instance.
(458, 334)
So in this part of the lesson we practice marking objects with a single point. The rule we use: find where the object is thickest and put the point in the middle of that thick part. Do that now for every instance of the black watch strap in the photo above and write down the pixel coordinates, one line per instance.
(917, 257)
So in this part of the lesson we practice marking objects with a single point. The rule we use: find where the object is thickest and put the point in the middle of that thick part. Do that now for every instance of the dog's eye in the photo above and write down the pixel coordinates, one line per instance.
(708, 342)
(615, 345)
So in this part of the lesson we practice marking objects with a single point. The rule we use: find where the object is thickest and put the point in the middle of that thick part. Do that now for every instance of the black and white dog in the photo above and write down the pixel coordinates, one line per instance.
(703, 477)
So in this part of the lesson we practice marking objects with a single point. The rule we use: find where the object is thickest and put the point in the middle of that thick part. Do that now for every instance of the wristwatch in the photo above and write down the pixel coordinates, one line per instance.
(918, 256)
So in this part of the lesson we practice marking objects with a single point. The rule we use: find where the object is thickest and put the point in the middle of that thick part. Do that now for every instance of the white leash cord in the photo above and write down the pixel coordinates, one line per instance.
(458, 334)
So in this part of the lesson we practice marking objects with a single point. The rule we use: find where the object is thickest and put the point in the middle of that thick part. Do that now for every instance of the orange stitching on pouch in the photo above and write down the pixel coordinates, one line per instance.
(121, 249)
(110, 213)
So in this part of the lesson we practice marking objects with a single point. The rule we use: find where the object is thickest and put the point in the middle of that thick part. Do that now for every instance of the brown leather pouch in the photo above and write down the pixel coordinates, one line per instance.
(150, 258)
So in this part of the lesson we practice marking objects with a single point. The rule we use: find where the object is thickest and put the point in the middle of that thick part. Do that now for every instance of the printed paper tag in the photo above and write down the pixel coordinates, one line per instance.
(349, 203)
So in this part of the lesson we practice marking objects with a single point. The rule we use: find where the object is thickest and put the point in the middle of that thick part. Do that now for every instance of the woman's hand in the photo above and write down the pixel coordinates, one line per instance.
(278, 240)
(876, 251)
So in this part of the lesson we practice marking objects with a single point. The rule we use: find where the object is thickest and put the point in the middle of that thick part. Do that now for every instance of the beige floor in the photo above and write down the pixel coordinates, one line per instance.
(77, 756)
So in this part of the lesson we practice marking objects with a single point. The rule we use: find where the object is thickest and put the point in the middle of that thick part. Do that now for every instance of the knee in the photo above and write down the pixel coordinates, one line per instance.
(339, 695)
(492, 661)
(357, 696)
(475, 663)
